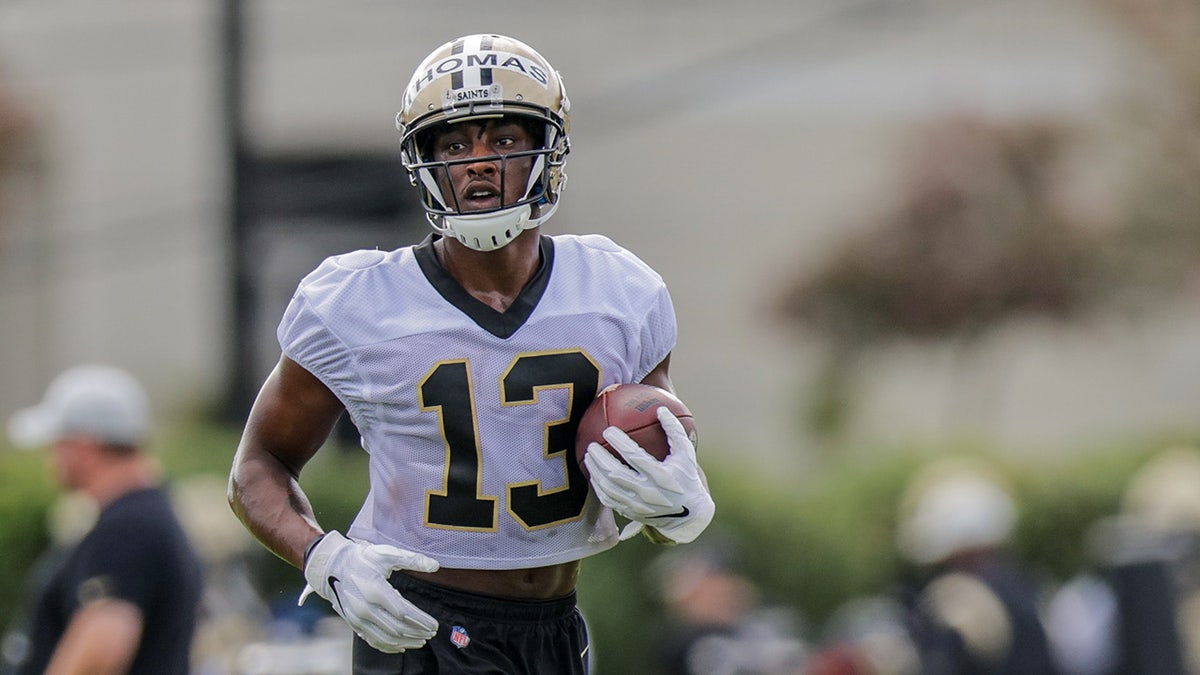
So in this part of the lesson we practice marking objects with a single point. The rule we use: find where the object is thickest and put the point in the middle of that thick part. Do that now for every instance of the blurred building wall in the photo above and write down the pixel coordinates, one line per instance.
(731, 145)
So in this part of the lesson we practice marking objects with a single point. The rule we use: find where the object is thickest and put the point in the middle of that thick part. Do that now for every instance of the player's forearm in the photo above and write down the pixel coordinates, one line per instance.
(267, 498)
(102, 638)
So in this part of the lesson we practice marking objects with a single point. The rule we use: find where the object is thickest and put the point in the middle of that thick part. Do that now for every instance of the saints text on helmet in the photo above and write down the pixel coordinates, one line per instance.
(453, 97)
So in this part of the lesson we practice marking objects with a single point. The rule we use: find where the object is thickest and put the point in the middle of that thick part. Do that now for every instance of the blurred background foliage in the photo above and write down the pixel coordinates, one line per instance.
(989, 226)
(1001, 220)
(811, 544)
(986, 231)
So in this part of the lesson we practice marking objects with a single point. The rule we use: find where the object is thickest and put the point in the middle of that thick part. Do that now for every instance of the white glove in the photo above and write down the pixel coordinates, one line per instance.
(669, 496)
(353, 577)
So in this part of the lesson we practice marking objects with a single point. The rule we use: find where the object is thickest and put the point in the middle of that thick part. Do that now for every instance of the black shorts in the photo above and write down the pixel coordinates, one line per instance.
(484, 635)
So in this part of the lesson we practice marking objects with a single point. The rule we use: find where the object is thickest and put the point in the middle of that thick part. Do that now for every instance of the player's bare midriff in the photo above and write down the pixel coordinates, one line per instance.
(533, 583)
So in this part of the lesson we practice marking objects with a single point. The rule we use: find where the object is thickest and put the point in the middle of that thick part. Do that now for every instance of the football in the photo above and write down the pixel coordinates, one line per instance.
(633, 409)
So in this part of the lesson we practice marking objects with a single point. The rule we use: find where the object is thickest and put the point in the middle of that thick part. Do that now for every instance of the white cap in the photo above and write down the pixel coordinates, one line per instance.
(954, 506)
(97, 401)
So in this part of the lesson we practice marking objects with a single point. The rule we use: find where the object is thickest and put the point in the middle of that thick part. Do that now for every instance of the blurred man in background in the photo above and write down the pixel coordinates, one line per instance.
(716, 622)
(124, 598)
(1137, 611)
(978, 610)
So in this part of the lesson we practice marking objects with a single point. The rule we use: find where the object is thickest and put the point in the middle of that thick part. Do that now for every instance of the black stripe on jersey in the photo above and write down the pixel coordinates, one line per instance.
(501, 324)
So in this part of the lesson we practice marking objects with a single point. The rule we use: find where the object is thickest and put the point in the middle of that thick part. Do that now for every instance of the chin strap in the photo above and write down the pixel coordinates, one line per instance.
(487, 231)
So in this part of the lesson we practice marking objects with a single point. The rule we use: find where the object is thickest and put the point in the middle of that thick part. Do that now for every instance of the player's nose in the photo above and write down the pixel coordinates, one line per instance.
(481, 168)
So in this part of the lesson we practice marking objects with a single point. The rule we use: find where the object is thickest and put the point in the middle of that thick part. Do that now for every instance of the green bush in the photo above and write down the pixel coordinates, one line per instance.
(811, 542)
(25, 497)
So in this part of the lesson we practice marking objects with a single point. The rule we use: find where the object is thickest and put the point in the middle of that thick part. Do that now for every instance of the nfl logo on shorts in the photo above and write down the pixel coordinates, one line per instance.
(459, 637)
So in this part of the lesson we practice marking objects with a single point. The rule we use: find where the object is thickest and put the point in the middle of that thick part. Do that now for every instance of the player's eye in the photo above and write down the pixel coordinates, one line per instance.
(453, 148)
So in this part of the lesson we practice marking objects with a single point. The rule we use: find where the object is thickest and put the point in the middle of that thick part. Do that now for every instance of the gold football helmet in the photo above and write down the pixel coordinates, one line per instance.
(478, 77)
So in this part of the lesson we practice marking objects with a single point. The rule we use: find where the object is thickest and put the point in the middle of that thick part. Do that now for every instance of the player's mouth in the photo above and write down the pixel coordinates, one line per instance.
(478, 196)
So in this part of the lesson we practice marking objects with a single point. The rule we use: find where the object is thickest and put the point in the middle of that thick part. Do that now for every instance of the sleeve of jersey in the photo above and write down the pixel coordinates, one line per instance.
(119, 563)
(305, 335)
(659, 332)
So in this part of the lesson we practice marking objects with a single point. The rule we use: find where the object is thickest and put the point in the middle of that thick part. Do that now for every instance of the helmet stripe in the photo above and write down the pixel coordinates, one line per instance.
(485, 74)
(456, 78)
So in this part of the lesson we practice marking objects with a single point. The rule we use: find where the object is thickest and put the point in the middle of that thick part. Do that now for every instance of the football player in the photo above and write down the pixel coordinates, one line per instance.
(465, 362)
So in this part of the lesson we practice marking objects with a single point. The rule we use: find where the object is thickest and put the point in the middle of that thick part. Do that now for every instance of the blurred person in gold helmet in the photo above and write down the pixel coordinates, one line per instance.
(1138, 610)
(977, 609)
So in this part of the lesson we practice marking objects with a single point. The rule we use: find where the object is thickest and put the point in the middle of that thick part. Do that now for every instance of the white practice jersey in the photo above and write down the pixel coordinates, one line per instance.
(469, 414)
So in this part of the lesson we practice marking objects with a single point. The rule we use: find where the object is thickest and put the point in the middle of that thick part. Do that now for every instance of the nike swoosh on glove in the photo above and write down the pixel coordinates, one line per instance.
(669, 496)
(353, 577)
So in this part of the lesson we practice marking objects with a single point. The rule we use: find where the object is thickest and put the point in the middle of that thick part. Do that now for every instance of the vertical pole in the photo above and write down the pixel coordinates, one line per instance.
(239, 217)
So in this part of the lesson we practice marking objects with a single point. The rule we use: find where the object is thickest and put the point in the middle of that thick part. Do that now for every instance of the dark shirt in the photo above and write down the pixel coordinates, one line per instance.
(137, 552)
(945, 652)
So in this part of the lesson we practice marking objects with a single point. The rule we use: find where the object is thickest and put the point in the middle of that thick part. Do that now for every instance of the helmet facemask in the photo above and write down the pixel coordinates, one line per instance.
(490, 228)
(476, 79)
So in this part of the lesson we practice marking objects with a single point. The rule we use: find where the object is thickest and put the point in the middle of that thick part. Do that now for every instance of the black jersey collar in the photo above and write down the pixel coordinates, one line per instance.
(501, 324)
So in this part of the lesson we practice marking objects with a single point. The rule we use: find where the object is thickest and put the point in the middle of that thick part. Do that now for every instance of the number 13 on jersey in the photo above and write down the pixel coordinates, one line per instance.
(448, 390)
